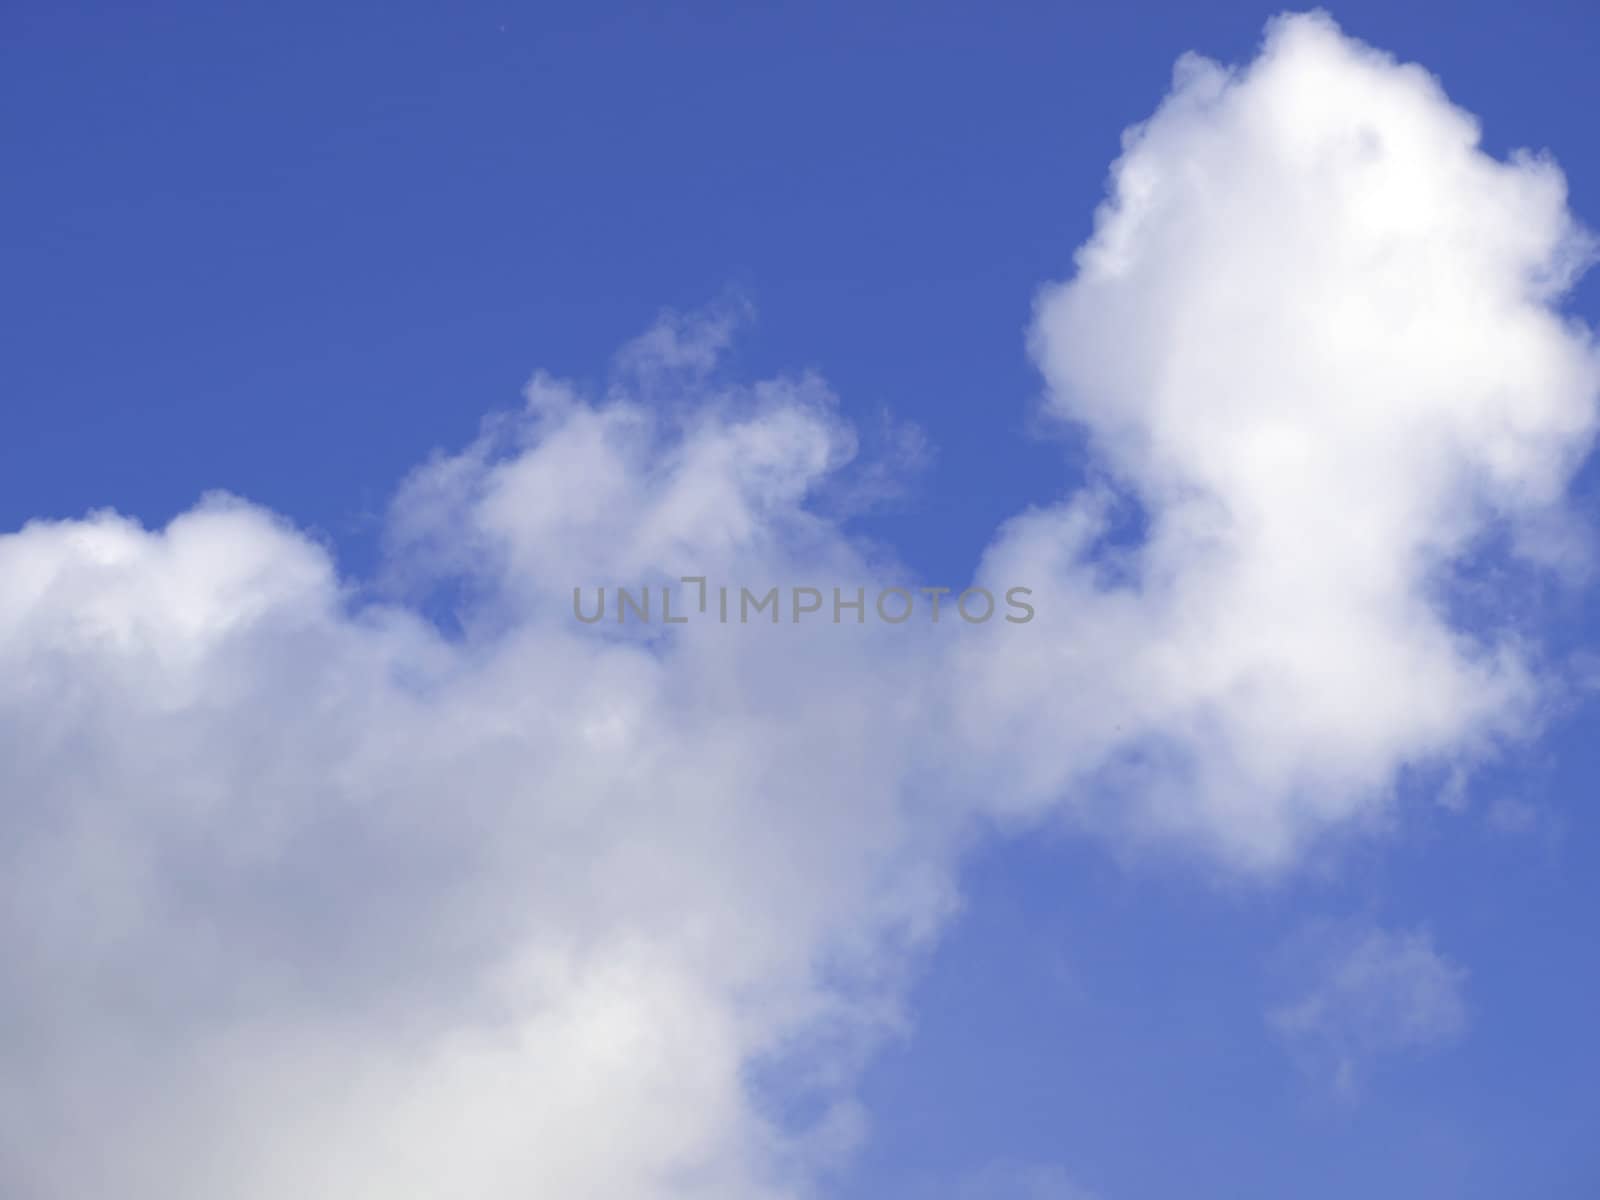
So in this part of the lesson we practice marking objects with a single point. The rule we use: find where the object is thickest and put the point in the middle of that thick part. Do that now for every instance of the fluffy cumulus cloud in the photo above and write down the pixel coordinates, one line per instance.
(304, 895)
(1313, 346)
(306, 899)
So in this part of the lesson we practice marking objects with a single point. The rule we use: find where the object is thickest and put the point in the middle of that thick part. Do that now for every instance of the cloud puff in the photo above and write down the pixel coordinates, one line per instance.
(304, 896)
(1313, 347)
(1372, 993)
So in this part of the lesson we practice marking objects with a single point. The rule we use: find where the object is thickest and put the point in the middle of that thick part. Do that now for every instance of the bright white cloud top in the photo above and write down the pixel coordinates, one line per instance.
(303, 898)
(1312, 337)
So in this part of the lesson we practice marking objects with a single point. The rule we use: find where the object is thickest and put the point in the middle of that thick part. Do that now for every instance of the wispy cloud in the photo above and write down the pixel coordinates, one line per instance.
(1021, 1181)
(1371, 993)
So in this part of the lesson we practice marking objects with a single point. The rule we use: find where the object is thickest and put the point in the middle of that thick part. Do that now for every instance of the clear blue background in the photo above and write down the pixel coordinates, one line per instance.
(289, 248)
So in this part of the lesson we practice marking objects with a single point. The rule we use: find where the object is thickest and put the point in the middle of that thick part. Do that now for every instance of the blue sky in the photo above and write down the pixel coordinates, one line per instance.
(290, 252)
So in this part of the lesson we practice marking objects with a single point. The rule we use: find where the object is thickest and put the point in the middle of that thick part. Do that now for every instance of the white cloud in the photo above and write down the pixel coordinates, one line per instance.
(1372, 993)
(309, 901)
(1312, 343)
(301, 897)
